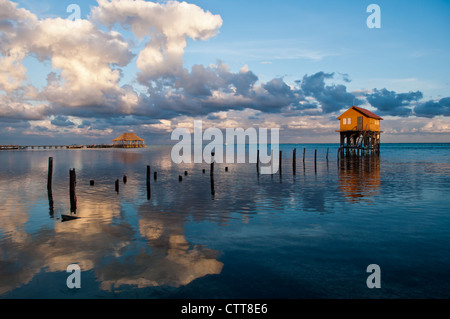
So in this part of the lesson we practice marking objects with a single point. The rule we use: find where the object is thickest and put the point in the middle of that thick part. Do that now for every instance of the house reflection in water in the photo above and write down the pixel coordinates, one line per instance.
(359, 177)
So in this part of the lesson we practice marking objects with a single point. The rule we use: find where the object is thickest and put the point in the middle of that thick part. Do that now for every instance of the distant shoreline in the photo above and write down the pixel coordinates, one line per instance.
(108, 146)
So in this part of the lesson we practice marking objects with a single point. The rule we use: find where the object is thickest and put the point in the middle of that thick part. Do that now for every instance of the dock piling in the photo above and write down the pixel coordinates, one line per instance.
(50, 173)
(279, 163)
(304, 151)
(315, 160)
(117, 185)
(148, 182)
(211, 174)
(72, 184)
(294, 161)
(257, 162)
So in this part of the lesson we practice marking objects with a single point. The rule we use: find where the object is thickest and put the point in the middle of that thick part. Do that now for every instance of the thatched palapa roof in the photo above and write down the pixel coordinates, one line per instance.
(128, 137)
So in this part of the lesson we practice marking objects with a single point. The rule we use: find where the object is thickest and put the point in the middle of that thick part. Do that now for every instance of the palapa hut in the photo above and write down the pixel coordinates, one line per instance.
(128, 140)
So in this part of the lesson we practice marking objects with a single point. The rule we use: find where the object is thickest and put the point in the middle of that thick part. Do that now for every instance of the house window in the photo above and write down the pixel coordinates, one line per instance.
(345, 121)
(349, 120)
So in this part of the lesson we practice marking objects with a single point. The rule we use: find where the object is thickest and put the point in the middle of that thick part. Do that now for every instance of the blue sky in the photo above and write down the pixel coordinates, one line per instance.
(295, 64)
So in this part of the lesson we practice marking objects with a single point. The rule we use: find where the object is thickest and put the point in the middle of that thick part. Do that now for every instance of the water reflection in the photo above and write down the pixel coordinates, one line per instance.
(359, 177)
(127, 157)
(149, 251)
(171, 262)
(260, 226)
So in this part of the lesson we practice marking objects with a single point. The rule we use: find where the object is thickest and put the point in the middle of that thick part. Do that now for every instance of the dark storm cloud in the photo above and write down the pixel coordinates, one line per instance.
(85, 123)
(392, 103)
(332, 98)
(61, 120)
(431, 109)
(202, 81)
(129, 120)
(206, 90)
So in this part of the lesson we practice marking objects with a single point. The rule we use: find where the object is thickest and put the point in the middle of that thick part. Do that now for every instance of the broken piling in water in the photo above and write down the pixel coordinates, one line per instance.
(50, 174)
(148, 182)
(72, 184)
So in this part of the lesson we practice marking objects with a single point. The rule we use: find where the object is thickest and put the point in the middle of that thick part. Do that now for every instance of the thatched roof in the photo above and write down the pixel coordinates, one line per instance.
(128, 137)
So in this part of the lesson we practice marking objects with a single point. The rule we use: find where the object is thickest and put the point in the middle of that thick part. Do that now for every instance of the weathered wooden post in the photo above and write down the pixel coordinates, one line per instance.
(155, 176)
(50, 174)
(257, 162)
(124, 179)
(315, 160)
(91, 182)
(149, 194)
(203, 171)
(211, 174)
(180, 178)
(72, 184)
(327, 153)
(304, 151)
(271, 163)
(226, 169)
(185, 173)
(294, 160)
(279, 163)
(117, 186)
(49, 185)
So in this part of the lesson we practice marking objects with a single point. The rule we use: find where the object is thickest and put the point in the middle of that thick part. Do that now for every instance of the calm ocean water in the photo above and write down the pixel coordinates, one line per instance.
(308, 235)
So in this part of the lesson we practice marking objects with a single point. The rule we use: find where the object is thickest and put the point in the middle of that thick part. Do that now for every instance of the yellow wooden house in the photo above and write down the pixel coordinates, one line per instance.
(359, 119)
(360, 130)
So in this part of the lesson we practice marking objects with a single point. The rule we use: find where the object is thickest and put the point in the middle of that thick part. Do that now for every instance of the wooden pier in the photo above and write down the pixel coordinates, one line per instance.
(52, 147)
